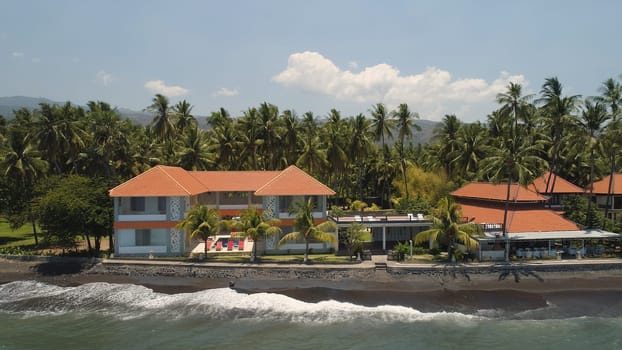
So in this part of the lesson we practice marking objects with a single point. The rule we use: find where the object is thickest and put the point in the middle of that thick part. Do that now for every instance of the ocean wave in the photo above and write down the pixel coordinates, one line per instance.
(127, 301)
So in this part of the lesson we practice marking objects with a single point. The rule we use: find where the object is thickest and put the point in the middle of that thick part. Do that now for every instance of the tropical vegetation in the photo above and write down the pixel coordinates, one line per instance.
(374, 157)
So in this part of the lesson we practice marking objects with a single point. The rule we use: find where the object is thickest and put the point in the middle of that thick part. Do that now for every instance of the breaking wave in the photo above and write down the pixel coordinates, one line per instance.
(127, 301)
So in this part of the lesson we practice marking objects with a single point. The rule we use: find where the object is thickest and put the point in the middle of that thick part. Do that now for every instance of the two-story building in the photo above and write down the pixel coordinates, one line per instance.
(148, 207)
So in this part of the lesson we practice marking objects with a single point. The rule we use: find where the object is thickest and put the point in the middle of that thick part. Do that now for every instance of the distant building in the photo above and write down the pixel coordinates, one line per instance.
(601, 190)
(148, 207)
(556, 188)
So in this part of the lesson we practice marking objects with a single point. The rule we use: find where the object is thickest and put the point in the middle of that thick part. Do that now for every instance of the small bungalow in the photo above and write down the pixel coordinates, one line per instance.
(148, 207)
(556, 188)
(613, 204)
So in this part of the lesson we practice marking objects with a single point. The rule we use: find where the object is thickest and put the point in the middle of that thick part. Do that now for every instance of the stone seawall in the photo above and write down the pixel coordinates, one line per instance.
(232, 271)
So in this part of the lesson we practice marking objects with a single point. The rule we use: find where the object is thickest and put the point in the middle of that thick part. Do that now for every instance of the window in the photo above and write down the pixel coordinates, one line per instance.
(162, 205)
(143, 237)
(285, 203)
(137, 204)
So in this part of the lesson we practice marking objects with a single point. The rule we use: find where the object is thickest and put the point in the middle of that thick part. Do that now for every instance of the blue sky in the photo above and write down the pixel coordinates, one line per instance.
(440, 57)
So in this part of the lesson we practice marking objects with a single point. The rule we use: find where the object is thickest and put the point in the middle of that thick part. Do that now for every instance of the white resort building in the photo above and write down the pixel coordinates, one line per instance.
(148, 207)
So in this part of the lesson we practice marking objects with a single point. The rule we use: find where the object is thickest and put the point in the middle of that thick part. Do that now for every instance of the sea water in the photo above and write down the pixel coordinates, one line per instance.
(35, 315)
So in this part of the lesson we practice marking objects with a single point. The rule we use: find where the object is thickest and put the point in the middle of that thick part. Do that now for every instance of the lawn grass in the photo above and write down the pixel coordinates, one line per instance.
(22, 236)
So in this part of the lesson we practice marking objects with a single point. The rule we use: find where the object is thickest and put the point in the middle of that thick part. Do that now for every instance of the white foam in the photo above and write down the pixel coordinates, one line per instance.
(132, 301)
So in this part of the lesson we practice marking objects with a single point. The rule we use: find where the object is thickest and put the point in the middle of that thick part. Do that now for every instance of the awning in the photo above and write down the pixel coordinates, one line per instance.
(580, 234)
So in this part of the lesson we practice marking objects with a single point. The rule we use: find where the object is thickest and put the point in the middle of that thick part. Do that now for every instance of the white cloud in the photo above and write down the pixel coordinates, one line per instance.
(432, 92)
(353, 64)
(223, 91)
(17, 54)
(103, 77)
(159, 87)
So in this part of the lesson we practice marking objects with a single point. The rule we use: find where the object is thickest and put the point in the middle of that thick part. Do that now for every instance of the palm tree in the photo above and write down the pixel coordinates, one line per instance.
(22, 164)
(471, 148)
(256, 226)
(306, 229)
(448, 228)
(219, 118)
(250, 125)
(558, 112)
(513, 103)
(195, 151)
(291, 136)
(382, 124)
(312, 157)
(358, 147)
(405, 124)
(162, 123)
(183, 115)
(611, 94)
(446, 135)
(593, 116)
(203, 222)
(334, 140)
(516, 157)
(612, 141)
(269, 132)
(229, 146)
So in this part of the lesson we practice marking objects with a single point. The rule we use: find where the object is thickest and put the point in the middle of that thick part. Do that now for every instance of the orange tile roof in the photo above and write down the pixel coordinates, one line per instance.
(219, 181)
(170, 181)
(561, 185)
(160, 180)
(497, 192)
(602, 186)
(522, 220)
(293, 181)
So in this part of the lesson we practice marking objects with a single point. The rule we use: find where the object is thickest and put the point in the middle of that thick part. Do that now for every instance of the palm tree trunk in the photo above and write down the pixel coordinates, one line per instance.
(589, 220)
(254, 254)
(610, 187)
(405, 180)
(306, 259)
(505, 219)
(34, 231)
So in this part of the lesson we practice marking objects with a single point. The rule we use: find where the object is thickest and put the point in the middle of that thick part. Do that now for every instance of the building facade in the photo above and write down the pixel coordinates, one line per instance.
(148, 207)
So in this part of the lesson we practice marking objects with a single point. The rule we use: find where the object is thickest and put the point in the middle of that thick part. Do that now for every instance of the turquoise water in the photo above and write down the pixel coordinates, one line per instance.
(35, 315)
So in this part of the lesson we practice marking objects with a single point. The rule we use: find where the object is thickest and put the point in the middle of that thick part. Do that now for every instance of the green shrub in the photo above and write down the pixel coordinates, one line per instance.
(419, 251)
(14, 251)
(435, 251)
(401, 249)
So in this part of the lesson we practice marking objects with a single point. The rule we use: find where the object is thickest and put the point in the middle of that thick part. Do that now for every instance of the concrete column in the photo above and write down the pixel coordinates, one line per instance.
(384, 238)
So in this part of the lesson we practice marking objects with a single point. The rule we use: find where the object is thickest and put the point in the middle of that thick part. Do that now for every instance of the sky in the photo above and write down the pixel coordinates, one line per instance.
(440, 57)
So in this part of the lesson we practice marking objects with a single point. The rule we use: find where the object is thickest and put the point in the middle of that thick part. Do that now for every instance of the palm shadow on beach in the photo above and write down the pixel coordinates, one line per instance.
(453, 272)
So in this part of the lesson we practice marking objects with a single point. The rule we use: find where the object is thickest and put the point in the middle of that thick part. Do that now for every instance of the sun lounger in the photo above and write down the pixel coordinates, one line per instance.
(208, 244)
(235, 243)
(241, 245)
(218, 245)
(230, 245)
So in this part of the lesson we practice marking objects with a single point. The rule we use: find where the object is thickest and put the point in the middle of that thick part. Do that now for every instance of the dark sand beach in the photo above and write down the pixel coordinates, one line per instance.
(425, 293)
